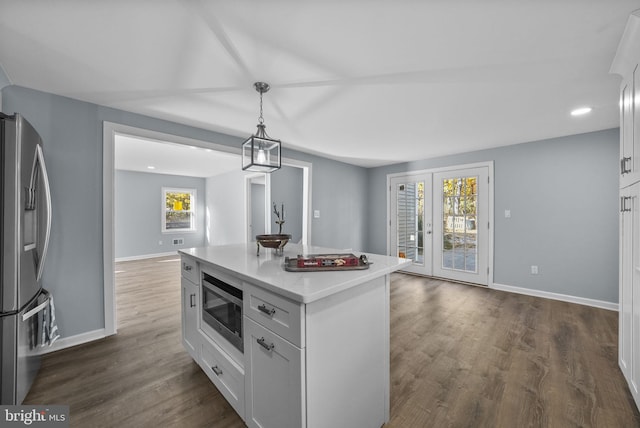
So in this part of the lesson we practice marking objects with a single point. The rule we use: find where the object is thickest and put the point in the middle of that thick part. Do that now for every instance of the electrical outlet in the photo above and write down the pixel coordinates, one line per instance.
(159, 242)
(534, 270)
(507, 213)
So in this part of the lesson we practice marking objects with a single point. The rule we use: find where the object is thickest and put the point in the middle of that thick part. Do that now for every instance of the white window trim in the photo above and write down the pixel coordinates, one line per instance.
(192, 210)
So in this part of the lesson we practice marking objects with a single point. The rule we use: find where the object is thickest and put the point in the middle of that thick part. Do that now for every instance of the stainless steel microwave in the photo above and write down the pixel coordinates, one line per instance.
(222, 309)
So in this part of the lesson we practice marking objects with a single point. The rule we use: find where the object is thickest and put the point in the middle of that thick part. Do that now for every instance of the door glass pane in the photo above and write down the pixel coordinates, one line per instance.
(410, 221)
(459, 228)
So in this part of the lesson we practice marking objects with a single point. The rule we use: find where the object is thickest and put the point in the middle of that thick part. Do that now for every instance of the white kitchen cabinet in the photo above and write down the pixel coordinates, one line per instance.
(274, 379)
(630, 128)
(190, 292)
(190, 297)
(629, 307)
(626, 64)
(316, 344)
(307, 385)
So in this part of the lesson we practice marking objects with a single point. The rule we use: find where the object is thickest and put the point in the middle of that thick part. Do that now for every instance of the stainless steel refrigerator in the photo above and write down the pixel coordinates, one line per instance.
(25, 227)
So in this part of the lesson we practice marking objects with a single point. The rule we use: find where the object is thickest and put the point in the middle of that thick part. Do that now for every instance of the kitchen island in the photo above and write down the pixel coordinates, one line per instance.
(314, 347)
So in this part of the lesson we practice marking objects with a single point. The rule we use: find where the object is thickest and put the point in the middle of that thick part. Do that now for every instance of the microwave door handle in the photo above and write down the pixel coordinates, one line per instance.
(38, 162)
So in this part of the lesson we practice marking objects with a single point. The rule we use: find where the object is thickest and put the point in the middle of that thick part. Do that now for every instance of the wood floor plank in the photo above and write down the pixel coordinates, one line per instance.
(461, 356)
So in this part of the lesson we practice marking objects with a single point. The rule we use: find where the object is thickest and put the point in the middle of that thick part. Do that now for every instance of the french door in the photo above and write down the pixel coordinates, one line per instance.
(461, 229)
(411, 221)
(440, 221)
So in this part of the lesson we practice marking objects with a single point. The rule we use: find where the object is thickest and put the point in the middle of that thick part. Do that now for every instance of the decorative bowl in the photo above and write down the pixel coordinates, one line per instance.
(276, 241)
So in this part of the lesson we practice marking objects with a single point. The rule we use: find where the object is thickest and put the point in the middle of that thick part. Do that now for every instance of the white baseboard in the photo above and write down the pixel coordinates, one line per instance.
(146, 256)
(78, 339)
(557, 296)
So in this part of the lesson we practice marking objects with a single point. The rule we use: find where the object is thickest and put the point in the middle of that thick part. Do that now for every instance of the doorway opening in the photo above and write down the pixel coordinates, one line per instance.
(110, 131)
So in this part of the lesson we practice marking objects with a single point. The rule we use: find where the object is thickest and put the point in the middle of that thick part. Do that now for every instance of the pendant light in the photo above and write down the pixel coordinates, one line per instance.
(260, 152)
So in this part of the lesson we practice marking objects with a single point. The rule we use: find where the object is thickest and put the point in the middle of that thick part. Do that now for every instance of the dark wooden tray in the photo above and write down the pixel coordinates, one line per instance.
(291, 263)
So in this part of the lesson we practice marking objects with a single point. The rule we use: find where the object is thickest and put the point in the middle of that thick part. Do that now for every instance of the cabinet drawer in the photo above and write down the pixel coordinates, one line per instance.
(224, 373)
(190, 269)
(280, 315)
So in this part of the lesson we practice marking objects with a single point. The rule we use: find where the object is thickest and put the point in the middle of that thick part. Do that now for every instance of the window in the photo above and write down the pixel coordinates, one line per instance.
(179, 210)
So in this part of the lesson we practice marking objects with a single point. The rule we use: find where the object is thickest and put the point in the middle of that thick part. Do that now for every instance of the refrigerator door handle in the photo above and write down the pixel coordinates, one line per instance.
(35, 310)
(38, 162)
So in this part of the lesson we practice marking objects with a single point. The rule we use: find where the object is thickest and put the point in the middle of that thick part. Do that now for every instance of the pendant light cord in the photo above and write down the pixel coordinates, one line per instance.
(261, 119)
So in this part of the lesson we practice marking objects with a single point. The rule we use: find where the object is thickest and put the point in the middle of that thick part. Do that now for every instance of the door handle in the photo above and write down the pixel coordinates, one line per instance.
(624, 169)
(216, 370)
(263, 343)
(192, 300)
(39, 163)
(35, 310)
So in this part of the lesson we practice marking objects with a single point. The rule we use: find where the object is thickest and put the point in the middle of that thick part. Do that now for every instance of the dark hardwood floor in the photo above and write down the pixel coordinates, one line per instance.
(461, 356)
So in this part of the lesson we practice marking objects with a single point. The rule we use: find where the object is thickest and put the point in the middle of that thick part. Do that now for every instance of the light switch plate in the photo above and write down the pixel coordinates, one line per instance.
(316, 213)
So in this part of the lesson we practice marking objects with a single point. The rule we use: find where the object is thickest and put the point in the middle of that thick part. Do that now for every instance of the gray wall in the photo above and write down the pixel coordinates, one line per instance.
(562, 194)
(72, 145)
(340, 194)
(225, 208)
(138, 217)
(257, 209)
(287, 188)
(72, 134)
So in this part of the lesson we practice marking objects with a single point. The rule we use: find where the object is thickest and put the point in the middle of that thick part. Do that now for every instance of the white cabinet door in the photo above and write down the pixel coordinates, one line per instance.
(274, 379)
(634, 373)
(629, 308)
(626, 279)
(630, 129)
(190, 336)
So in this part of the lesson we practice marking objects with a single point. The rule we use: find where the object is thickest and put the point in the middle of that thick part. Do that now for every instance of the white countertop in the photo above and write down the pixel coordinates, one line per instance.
(267, 270)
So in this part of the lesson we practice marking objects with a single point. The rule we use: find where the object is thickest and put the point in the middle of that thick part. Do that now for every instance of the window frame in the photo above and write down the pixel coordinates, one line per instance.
(192, 209)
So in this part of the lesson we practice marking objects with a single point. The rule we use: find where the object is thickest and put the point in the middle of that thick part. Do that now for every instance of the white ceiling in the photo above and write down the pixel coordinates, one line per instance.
(139, 154)
(367, 82)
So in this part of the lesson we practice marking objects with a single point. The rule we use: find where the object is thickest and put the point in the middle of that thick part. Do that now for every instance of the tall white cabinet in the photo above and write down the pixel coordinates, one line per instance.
(627, 64)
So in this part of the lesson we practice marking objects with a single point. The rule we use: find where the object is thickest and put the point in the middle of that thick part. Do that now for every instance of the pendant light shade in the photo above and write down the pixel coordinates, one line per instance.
(261, 153)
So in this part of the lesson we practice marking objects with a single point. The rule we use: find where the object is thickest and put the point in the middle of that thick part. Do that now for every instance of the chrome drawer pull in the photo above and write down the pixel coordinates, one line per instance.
(263, 343)
(192, 302)
(268, 311)
(187, 267)
(216, 370)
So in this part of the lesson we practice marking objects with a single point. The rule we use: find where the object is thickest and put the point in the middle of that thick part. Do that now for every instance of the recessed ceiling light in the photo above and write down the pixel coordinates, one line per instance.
(580, 111)
(151, 167)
